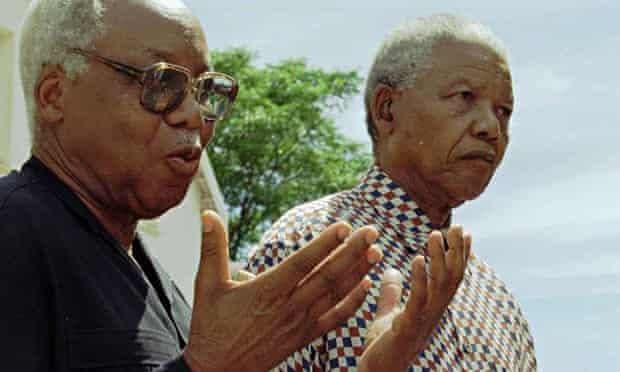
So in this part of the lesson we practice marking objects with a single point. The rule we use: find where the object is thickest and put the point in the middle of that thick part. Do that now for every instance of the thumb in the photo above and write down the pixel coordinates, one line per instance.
(390, 292)
(213, 266)
(387, 303)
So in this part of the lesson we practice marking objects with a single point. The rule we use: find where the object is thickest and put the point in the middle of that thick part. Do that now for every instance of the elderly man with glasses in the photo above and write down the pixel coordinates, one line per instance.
(438, 102)
(121, 101)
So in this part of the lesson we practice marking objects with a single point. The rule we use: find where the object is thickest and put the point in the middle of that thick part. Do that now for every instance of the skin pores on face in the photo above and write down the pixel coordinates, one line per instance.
(118, 150)
(450, 130)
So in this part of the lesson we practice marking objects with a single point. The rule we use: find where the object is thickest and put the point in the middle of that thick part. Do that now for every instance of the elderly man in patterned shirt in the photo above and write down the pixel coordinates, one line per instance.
(438, 101)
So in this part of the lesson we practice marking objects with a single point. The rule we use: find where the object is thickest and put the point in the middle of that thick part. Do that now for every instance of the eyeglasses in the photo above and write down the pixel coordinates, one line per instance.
(165, 86)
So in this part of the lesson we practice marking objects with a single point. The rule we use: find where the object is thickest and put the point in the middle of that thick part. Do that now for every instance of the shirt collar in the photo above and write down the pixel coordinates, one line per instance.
(394, 206)
(42, 174)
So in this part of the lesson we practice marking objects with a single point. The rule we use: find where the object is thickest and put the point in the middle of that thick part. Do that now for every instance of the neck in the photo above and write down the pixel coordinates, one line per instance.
(439, 213)
(121, 225)
(435, 203)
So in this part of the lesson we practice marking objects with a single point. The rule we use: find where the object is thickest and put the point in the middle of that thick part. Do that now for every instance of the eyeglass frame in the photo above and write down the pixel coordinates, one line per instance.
(140, 75)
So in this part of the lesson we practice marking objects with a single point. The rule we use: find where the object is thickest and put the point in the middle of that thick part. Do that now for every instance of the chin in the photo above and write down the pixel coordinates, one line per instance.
(466, 191)
(160, 202)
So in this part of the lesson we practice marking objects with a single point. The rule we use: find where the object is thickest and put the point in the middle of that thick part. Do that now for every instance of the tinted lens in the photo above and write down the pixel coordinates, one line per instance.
(215, 95)
(164, 89)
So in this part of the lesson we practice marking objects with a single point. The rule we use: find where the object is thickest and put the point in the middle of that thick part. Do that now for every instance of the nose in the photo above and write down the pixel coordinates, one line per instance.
(187, 115)
(486, 125)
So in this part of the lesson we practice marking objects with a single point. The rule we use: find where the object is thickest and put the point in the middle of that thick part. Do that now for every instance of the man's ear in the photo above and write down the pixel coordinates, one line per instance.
(50, 93)
(381, 106)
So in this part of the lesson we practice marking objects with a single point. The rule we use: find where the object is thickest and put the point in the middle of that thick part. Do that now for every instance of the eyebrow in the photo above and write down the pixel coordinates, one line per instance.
(456, 80)
(459, 79)
(159, 54)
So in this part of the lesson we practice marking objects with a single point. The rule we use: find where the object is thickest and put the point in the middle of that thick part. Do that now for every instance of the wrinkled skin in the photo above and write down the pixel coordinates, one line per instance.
(253, 325)
(115, 155)
(442, 142)
(398, 337)
(449, 131)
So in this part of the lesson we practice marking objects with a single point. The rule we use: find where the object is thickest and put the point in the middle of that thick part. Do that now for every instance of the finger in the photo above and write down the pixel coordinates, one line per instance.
(438, 261)
(467, 247)
(416, 304)
(342, 287)
(390, 292)
(331, 298)
(329, 277)
(213, 265)
(342, 311)
(287, 275)
(454, 257)
(243, 276)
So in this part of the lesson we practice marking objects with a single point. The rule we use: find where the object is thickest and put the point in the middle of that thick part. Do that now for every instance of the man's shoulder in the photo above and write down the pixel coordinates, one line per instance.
(22, 196)
(494, 295)
(306, 220)
(296, 228)
(21, 219)
(481, 270)
(488, 278)
(28, 212)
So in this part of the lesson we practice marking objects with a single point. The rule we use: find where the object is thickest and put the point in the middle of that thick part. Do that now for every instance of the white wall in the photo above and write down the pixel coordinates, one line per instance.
(6, 95)
(175, 240)
(11, 99)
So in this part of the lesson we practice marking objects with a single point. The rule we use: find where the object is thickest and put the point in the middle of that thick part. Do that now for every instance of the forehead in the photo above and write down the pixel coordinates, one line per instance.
(143, 32)
(470, 62)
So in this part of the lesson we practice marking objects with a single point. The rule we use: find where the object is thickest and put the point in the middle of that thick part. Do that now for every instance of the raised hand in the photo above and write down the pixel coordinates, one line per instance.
(399, 337)
(253, 325)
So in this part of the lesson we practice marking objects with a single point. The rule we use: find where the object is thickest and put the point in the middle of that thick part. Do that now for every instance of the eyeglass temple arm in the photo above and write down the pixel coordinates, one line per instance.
(120, 67)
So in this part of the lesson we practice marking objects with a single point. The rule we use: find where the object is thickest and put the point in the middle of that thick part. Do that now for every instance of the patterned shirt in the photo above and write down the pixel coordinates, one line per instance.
(482, 329)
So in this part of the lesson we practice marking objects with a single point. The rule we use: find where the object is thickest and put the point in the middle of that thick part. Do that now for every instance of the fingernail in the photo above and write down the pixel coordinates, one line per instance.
(207, 226)
(371, 237)
(392, 276)
(343, 233)
(374, 255)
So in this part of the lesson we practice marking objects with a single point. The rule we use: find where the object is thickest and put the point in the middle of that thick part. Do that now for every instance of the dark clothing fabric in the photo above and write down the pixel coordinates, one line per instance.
(71, 298)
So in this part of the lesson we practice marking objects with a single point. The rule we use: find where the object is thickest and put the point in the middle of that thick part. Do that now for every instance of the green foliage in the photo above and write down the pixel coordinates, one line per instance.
(280, 147)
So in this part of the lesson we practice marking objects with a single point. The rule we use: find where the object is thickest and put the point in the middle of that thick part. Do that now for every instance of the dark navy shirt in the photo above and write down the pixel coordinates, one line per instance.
(70, 296)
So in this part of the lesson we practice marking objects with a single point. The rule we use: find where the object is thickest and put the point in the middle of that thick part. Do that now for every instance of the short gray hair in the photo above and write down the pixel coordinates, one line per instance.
(408, 47)
(50, 30)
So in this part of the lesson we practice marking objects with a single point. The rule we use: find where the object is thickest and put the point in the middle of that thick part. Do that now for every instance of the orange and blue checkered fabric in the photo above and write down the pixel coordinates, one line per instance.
(483, 328)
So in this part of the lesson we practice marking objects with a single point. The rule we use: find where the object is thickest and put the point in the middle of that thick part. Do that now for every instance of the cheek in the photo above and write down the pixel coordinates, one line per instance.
(138, 125)
(141, 128)
(124, 102)
(444, 144)
(501, 149)
(207, 131)
(135, 148)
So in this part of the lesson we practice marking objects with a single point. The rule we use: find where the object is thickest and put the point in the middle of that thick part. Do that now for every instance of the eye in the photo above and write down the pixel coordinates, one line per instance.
(462, 99)
(504, 112)
(466, 95)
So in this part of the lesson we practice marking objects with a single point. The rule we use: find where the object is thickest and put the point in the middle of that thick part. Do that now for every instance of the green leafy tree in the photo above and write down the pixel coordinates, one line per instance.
(280, 147)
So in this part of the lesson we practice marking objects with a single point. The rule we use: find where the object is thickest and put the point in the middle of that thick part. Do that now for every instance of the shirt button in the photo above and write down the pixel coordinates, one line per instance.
(466, 349)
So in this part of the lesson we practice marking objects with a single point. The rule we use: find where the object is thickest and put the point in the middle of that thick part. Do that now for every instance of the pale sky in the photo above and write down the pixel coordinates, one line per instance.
(546, 221)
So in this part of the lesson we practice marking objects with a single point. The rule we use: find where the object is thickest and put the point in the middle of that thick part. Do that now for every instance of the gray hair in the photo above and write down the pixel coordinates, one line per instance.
(50, 30)
(408, 47)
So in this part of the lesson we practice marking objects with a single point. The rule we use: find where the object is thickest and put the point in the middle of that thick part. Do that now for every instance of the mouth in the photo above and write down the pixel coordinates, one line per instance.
(184, 161)
(480, 155)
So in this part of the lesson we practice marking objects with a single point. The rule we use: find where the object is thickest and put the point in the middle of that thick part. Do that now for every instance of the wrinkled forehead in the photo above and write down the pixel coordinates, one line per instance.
(466, 54)
(154, 29)
(468, 61)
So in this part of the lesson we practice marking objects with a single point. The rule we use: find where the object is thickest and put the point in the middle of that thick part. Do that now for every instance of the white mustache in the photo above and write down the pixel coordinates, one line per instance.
(188, 138)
